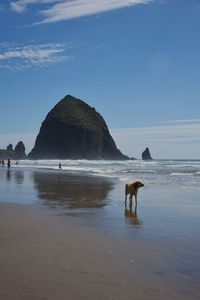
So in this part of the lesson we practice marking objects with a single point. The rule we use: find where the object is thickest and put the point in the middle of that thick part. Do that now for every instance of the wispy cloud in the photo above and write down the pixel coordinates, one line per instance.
(16, 57)
(61, 10)
(181, 121)
(166, 141)
(173, 133)
(20, 6)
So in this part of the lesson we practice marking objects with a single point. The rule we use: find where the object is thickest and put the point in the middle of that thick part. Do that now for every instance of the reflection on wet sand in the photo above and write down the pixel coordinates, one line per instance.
(12, 176)
(59, 189)
(8, 175)
(19, 176)
(131, 215)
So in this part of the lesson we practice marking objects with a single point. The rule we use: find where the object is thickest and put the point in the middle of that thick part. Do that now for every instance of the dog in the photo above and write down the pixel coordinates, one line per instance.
(132, 190)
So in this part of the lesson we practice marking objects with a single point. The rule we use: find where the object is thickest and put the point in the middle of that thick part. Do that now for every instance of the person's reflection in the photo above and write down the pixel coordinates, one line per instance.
(131, 215)
(8, 175)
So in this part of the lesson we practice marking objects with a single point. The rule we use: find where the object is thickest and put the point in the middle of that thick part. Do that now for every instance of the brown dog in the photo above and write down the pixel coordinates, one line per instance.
(132, 190)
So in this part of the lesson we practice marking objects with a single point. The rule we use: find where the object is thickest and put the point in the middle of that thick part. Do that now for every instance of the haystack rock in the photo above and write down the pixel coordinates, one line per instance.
(146, 154)
(74, 130)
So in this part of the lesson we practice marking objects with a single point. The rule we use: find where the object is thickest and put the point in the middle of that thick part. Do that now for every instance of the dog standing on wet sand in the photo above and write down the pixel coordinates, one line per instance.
(132, 190)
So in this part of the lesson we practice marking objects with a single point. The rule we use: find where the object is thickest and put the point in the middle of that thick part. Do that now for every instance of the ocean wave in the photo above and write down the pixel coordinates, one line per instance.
(182, 174)
(163, 172)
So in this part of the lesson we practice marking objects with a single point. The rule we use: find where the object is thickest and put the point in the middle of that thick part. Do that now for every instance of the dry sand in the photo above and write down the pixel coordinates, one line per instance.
(44, 256)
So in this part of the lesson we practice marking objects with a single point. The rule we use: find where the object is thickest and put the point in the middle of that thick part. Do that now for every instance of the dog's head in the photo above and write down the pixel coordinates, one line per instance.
(138, 184)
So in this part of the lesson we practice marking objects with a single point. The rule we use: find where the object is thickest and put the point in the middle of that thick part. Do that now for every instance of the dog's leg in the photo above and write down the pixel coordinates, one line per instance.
(126, 192)
(130, 199)
(125, 198)
(135, 198)
(135, 203)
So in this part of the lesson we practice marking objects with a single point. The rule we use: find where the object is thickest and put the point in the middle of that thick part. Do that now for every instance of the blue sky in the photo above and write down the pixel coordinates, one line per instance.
(136, 61)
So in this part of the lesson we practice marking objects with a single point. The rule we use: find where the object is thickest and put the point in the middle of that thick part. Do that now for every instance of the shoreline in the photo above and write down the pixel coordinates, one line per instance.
(179, 173)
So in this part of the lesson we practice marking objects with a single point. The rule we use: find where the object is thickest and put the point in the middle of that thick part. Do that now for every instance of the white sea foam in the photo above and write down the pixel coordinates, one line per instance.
(182, 173)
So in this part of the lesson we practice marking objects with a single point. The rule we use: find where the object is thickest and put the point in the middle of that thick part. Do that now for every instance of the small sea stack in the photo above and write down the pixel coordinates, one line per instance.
(146, 154)
(20, 150)
(17, 153)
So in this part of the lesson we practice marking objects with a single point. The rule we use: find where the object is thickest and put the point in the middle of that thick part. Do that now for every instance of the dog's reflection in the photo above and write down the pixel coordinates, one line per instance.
(131, 215)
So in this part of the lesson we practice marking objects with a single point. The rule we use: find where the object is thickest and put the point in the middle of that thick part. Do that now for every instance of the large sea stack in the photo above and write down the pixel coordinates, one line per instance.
(74, 130)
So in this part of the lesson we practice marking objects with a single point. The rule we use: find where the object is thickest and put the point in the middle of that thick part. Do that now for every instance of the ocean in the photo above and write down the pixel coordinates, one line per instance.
(179, 173)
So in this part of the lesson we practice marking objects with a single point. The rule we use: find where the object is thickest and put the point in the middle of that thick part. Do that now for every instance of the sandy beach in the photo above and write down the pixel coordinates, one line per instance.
(56, 249)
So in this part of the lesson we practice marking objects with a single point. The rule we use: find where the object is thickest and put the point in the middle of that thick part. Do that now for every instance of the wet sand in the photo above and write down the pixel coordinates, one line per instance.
(44, 257)
(50, 254)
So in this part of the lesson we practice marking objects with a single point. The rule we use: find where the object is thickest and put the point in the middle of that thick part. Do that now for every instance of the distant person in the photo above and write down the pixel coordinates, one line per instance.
(2, 162)
(8, 163)
(59, 165)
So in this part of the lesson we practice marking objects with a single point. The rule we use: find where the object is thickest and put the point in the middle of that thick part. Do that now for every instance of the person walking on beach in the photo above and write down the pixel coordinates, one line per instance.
(8, 163)
(59, 165)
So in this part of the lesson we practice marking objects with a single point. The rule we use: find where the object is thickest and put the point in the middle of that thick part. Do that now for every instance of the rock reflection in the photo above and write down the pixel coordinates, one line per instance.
(19, 177)
(131, 215)
(70, 191)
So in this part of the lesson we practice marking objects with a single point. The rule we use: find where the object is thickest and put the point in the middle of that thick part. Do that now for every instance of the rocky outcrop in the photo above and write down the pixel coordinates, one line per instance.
(146, 154)
(74, 130)
(9, 147)
(17, 153)
(5, 154)
(20, 150)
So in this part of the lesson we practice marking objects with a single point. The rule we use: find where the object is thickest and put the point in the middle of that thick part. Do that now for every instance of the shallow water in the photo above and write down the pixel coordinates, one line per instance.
(169, 212)
(162, 212)
(179, 173)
